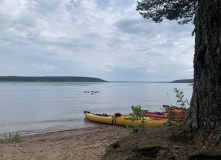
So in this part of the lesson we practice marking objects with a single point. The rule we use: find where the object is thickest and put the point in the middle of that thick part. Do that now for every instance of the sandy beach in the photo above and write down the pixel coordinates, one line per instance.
(77, 144)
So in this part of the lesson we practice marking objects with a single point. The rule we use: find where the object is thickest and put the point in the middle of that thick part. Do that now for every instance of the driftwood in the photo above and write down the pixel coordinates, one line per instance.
(19, 148)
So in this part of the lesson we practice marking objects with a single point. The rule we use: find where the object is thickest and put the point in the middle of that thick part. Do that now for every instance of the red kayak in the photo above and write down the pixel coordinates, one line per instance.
(164, 115)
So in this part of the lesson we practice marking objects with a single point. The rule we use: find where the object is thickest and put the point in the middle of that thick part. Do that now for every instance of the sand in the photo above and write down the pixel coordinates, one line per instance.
(77, 144)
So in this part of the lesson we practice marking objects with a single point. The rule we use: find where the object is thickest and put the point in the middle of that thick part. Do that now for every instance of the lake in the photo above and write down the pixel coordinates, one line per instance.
(38, 107)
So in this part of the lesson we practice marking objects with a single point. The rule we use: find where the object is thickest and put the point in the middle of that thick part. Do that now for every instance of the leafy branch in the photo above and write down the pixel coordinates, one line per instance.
(137, 115)
(181, 101)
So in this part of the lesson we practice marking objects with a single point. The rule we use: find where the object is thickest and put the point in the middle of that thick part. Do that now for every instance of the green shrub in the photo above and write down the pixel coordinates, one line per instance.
(181, 101)
(11, 138)
(137, 115)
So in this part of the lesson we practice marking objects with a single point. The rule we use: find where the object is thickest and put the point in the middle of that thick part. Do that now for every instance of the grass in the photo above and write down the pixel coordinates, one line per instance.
(11, 138)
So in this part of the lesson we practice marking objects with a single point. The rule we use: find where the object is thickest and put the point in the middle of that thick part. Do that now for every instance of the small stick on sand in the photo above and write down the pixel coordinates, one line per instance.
(19, 148)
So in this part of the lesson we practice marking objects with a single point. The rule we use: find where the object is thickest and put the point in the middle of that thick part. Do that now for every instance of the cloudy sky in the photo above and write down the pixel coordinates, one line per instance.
(106, 39)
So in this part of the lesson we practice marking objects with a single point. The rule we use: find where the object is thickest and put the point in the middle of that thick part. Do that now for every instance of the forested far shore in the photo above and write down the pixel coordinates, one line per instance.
(183, 81)
(49, 79)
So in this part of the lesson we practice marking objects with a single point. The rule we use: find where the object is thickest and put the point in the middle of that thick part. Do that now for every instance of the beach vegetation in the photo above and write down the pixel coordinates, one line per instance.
(181, 101)
(170, 117)
(11, 138)
(138, 115)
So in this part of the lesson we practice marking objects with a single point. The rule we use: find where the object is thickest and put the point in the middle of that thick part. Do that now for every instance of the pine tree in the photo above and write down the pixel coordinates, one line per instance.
(204, 117)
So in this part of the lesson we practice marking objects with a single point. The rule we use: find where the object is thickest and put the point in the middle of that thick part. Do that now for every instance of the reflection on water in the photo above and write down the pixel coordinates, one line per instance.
(44, 106)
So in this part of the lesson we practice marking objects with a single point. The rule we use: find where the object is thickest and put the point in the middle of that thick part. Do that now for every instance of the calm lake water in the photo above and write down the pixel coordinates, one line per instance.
(37, 107)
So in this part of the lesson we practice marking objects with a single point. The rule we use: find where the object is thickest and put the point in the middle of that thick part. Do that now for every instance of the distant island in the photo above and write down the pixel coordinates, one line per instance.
(49, 79)
(183, 81)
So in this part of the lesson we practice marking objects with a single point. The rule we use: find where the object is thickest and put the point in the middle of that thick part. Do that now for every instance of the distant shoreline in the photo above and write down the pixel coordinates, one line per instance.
(182, 81)
(49, 79)
(76, 79)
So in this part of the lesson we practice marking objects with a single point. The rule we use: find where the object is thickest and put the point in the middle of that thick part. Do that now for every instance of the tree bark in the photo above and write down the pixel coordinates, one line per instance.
(204, 118)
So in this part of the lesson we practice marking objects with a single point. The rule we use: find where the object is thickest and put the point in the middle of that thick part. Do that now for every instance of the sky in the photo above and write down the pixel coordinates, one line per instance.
(106, 39)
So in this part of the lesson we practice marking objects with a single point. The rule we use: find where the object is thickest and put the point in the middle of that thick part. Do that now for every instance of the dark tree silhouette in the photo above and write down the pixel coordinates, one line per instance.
(183, 10)
(49, 79)
(204, 118)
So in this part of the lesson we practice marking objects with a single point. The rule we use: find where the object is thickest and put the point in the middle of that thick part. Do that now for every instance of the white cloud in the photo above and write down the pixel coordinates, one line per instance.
(110, 37)
(44, 67)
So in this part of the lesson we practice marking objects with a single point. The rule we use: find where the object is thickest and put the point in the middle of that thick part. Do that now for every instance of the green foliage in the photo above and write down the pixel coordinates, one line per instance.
(170, 117)
(11, 138)
(181, 101)
(137, 115)
(169, 9)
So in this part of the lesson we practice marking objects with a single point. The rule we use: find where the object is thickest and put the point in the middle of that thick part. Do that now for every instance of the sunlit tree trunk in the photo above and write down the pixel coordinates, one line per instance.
(204, 118)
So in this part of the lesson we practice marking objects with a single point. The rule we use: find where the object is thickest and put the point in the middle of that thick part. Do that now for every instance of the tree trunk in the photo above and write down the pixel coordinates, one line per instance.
(204, 118)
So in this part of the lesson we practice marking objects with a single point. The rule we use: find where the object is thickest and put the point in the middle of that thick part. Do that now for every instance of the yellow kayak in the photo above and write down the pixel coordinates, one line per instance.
(123, 120)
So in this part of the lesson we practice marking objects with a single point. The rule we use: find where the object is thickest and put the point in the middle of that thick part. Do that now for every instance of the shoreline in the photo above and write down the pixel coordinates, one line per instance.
(80, 144)
(26, 132)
